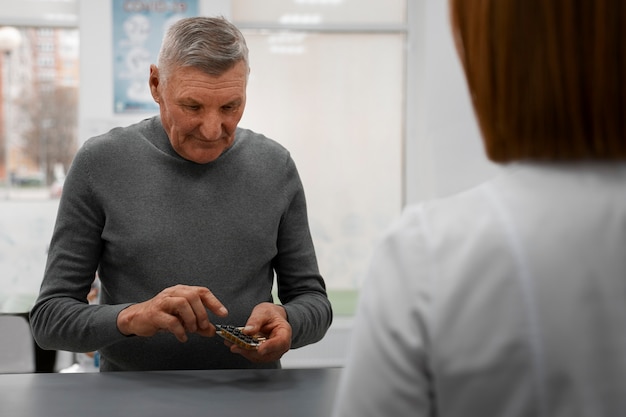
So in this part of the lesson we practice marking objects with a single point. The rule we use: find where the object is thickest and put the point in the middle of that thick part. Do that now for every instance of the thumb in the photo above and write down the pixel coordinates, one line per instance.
(254, 323)
(251, 328)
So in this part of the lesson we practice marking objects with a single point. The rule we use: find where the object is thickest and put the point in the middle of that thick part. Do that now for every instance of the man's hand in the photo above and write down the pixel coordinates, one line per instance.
(269, 320)
(178, 310)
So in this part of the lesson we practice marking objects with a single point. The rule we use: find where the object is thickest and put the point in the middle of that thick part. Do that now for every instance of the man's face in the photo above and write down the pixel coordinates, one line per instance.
(200, 112)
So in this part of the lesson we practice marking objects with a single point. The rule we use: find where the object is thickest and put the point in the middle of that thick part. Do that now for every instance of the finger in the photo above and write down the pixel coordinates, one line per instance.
(211, 302)
(271, 349)
(208, 332)
(192, 310)
(200, 313)
(251, 355)
(173, 325)
(258, 318)
(180, 308)
(278, 339)
(264, 317)
(258, 355)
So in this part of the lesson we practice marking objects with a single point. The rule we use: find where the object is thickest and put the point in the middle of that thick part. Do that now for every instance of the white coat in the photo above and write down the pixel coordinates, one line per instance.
(506, 300)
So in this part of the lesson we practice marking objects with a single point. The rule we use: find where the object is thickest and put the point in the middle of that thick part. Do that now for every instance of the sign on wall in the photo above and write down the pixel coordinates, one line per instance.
(138, 28)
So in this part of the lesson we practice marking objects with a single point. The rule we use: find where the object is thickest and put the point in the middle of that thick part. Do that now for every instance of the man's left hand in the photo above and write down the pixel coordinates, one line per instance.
(269, 320)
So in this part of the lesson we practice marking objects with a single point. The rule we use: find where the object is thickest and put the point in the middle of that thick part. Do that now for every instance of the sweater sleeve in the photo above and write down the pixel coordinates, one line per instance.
(301, 288)
(62, 318)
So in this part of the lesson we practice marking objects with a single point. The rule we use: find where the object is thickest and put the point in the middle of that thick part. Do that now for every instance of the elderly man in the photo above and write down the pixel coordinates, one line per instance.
(188, 220)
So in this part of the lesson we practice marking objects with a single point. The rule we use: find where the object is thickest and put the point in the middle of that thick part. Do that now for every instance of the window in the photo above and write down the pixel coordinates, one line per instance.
(39, 131)
(327, 81)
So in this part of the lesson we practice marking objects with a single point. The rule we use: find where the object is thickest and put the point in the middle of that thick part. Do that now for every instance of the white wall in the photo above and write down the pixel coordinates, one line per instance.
(444, 152)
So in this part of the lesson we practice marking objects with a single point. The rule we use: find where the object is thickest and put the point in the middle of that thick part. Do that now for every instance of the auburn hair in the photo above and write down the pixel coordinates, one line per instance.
(546, 77)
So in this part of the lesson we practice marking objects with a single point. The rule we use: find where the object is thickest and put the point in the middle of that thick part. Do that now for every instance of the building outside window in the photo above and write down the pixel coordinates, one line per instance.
(39, 140)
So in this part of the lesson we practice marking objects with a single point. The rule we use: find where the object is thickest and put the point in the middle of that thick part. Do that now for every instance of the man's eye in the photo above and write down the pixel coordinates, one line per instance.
(192, 107)
(229, 108)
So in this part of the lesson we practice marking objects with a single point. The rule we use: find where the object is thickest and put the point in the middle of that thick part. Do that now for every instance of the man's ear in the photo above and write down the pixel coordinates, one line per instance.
(153, 82)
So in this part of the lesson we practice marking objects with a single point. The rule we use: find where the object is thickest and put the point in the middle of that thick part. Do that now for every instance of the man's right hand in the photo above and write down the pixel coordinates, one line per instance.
(179, 310)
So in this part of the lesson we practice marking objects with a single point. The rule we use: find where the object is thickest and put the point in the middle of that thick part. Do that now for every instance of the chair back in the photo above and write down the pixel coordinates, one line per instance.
(17, 349)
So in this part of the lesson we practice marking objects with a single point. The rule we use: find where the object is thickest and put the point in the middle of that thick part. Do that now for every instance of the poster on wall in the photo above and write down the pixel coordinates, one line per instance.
(138, 28)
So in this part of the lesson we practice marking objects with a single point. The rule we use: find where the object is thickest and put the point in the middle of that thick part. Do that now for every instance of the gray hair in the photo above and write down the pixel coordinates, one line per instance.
(211, 44)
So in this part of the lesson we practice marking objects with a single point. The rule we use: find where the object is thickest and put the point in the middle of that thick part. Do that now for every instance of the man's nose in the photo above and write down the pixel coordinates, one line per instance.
(211, 126)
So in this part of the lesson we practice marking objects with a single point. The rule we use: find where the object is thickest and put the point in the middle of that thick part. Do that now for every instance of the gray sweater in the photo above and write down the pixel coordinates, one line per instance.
(147, 219)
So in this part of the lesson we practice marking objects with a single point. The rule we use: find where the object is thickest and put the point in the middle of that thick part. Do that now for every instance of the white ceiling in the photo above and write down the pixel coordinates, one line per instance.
(39, 13)
(64, 13)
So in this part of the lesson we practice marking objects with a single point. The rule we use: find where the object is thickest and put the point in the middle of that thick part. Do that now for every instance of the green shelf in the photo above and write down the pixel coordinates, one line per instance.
(343, 301)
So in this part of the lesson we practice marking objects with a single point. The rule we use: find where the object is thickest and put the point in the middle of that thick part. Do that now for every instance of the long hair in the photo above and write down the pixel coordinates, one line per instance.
(547, 78)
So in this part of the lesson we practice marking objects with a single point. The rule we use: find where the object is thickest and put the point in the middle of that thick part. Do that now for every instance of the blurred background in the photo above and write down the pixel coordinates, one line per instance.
(366, 94)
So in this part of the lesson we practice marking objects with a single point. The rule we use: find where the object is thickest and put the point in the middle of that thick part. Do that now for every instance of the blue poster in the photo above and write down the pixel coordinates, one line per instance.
(138, 28)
